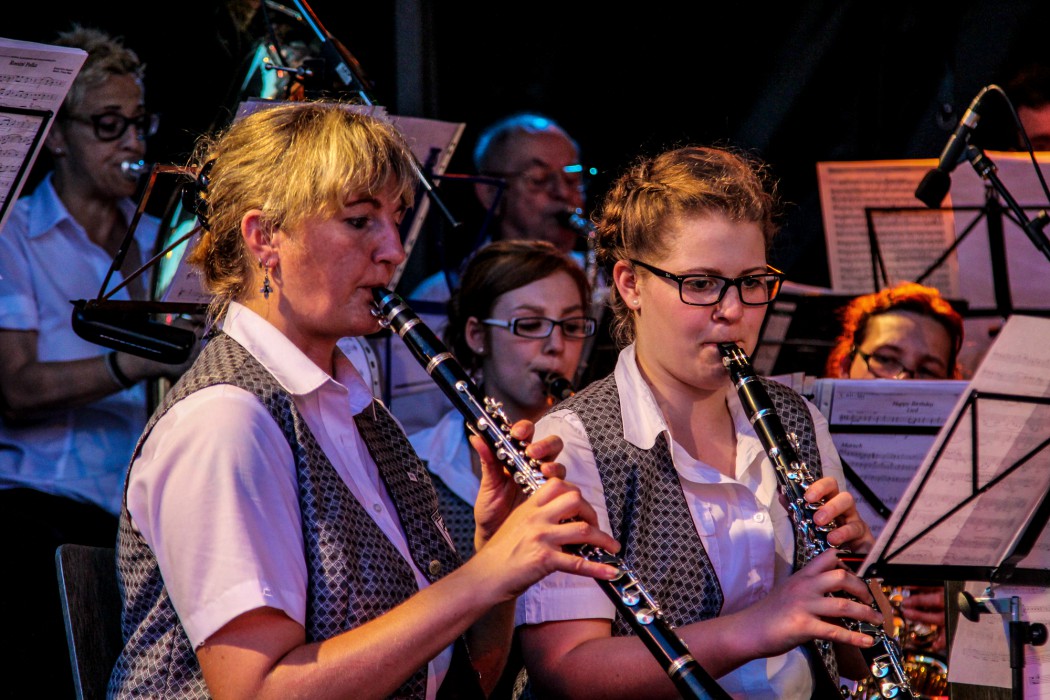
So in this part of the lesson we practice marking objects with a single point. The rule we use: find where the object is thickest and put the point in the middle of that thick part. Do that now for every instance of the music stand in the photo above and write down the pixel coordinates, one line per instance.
(977, 508)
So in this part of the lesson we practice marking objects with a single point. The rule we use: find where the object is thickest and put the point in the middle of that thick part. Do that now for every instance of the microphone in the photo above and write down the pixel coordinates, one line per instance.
(935, 185)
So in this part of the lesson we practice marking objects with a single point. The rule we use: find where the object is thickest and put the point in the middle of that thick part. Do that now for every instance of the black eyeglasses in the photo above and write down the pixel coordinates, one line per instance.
(541, 327)
(708, 290)
(110, 126)
(886, 367)
(543, 178)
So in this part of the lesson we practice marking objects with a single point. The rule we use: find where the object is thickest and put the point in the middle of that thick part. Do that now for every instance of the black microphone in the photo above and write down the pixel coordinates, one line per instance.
(935, 185)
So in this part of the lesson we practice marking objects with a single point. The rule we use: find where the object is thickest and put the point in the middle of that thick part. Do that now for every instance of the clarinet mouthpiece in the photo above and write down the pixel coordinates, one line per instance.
(557, 387)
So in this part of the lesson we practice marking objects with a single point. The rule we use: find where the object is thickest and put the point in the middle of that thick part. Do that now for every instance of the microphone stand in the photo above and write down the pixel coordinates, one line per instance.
(349, 71)
(1033, 228)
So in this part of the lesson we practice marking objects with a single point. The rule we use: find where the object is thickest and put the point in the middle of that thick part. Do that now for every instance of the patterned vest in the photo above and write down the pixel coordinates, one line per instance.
(354, 572)
(646, 505)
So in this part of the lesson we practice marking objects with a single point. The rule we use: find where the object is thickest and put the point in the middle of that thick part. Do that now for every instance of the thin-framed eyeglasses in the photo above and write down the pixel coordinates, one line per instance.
(110, 126)
(886, 367)
(542, 327)
(540, 177)
(708, 290)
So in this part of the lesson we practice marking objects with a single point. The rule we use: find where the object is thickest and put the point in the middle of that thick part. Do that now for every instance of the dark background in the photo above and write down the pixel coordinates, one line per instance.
(795, 82)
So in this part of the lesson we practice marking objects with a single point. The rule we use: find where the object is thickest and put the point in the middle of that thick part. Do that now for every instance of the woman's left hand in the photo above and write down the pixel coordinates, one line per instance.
(851, 532)
(499, 494)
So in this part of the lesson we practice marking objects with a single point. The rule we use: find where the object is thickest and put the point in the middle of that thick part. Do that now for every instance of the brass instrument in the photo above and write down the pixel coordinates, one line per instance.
(926, 670)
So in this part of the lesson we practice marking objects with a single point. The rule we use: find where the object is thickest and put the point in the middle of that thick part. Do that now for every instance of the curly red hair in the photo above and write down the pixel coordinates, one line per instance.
(907, 296)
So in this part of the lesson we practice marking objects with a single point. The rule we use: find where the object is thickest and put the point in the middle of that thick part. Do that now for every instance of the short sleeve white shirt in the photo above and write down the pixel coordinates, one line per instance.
(747, 534)
(221, 514)
(47, 260)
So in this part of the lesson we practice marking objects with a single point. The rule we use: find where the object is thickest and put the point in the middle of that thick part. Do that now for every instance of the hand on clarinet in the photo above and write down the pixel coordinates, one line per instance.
(851, 532)
(523, 538)
(799, 610)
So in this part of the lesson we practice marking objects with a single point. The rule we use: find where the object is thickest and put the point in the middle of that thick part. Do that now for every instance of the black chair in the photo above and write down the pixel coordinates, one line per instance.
(87, 581)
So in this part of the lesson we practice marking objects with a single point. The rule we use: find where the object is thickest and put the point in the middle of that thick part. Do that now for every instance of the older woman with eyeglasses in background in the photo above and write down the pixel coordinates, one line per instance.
(908, 331)
(71, 410)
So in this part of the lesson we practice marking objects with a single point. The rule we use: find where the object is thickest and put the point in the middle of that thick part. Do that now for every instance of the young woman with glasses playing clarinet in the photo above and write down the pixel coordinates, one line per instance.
(664, 451)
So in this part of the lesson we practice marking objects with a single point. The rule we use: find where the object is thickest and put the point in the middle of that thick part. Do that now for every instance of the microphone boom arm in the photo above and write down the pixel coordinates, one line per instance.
(1033, 228)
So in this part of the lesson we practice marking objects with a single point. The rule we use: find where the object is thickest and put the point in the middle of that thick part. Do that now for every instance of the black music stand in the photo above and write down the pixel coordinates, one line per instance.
(978, 508)
(992, 212)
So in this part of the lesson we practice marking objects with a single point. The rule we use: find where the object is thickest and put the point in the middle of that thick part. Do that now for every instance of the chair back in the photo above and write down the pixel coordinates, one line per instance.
(87, 581)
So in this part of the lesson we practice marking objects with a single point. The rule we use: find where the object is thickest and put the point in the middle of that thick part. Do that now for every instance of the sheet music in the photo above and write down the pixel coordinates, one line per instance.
(32, 77)
(968, 526)
(910, 241)
(873, 425)
(980, 652)
(1028, 268)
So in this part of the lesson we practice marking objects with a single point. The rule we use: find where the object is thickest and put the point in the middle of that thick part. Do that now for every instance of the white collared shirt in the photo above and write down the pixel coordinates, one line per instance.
(221, 512)
(47, 260)
(447, 452)
(747, 534)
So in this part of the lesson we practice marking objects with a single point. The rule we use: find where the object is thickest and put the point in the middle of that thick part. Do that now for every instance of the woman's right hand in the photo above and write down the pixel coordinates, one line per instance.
(798, 610)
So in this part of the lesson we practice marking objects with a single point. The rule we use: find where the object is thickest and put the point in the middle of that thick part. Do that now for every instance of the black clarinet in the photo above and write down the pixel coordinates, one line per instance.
(485, 418)
(794, 477)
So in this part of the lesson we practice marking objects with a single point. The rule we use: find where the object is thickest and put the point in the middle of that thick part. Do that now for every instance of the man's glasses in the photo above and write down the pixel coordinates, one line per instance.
(708, 290)
(886, 367)
(542, 178)
(110, 126)
(541, 327)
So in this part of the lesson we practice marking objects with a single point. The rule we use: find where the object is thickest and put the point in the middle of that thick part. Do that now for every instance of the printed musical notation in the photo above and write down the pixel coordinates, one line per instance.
(987, 472)
(34, 79)
(883, 428)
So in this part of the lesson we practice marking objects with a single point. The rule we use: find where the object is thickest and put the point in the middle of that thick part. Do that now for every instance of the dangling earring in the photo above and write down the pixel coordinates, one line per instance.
(266, 288)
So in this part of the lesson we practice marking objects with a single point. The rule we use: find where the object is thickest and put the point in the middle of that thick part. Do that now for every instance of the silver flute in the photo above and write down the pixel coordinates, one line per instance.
(485, 418)
(794, 477)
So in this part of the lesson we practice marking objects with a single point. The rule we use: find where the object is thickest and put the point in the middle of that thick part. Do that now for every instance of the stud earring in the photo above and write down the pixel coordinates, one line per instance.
(266, 289)
(58, 152)
(636, 302)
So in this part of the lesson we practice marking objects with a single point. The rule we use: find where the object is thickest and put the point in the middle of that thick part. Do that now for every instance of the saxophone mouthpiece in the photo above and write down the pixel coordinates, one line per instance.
(557, 387)
(573, 219)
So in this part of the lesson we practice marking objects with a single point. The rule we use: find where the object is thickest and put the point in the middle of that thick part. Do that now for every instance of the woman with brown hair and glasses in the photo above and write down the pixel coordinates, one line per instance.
(663, 450)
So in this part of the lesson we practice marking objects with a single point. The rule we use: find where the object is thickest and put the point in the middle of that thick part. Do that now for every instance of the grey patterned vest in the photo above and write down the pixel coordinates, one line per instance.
(458, 516)
(646, 505)
(354, 572)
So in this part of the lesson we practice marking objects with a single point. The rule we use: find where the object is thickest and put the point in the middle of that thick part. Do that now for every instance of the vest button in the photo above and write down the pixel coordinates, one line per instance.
(435, 567)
